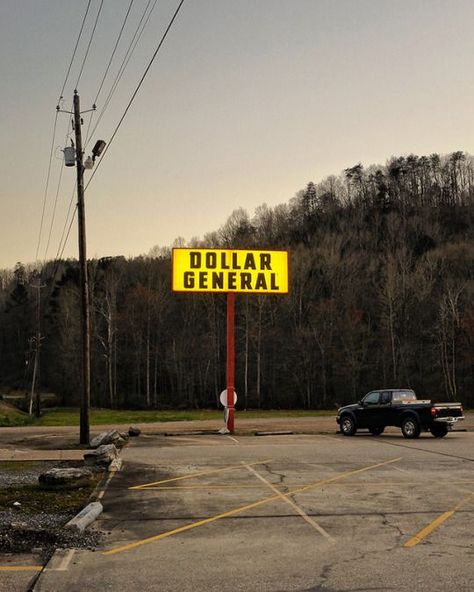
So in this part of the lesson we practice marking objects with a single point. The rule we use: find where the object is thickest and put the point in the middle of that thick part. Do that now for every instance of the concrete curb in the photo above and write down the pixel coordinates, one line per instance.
(80, 521)
(86, 516)
(276, 433)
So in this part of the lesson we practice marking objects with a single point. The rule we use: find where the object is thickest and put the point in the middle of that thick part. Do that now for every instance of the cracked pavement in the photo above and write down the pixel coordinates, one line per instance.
(202, 521)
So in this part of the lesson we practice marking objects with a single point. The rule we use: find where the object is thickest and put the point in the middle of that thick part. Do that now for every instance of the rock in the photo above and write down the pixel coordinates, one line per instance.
(17, 504)
(99, 440)
(134, 431)
(69, 478)
(102, 456)
(124, 435)
(113, 437)
(115, 465)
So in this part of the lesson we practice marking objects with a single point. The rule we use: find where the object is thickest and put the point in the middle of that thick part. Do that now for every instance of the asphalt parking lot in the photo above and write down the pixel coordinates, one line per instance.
(283, 513)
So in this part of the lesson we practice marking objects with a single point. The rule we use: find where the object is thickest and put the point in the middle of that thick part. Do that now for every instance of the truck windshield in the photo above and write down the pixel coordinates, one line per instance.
(403, 396)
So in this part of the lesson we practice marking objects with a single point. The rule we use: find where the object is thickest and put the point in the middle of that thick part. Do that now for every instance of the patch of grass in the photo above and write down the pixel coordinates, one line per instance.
(70, 417)
(15, 466)
(11, 416)
(33, 499)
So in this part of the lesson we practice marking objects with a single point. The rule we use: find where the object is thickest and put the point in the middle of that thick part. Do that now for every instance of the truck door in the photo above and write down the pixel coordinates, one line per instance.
(369, 412)
(387, 414)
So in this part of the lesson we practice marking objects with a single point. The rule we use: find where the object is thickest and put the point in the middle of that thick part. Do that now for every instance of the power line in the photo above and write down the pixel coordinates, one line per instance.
(108, 66)
(48, 175)
(90, 42)
(61, 249)
(137, 88)
(47, 183)
(125, 61)
(74, 52)
(53, 216)
(114, 50)
(63, 240)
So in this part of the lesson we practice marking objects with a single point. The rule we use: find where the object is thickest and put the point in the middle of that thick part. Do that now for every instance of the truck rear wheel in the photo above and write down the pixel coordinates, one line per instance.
(348, 425)
(410, 427)
(439, 431)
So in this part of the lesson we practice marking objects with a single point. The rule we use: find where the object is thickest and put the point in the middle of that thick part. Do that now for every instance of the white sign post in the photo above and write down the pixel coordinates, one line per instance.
(224, 400)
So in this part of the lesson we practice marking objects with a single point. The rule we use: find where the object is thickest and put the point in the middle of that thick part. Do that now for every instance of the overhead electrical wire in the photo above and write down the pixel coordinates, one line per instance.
(48, 175)
(62, 91)
(53, 215)
(74, 52)
(128, 54)
(108, 68)
(150, 63)
(90, 42)
(64, 235)
(135, 92)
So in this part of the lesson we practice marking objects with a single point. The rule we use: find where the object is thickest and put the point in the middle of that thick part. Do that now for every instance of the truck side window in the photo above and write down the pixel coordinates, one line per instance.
(372, 398)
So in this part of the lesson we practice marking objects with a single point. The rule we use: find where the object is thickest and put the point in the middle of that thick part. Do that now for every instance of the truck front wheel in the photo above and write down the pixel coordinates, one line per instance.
(439, 431)
(410, 427)
(348, 425)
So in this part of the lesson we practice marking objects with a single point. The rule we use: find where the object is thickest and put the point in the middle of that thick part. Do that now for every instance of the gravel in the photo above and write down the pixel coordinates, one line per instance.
(42, 532)
(30, 471)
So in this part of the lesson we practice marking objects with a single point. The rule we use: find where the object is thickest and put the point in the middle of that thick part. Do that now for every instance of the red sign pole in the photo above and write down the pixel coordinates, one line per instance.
(230, 360)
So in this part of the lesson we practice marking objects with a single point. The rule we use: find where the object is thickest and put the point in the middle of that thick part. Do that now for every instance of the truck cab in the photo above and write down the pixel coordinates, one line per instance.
(401, 408)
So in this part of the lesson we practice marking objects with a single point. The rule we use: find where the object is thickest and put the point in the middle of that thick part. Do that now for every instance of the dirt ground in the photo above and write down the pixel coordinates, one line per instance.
(67, 437)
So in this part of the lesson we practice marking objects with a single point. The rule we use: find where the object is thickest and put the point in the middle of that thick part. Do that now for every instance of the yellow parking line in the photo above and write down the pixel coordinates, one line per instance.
(427, 530)
(266, 500)
(21, 567)
(203, 487)
(372, 485)
(199, 474)
(291, 503)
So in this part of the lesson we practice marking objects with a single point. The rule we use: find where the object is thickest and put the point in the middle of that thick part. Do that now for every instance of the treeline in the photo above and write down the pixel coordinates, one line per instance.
(381, 294)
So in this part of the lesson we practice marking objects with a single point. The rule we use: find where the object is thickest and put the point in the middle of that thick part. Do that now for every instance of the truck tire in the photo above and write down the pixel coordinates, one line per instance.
(439, 431)
(410, 427)
(377, 430)
(348, 425)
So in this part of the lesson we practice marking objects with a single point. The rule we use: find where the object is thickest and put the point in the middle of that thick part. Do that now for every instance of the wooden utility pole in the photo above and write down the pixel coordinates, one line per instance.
(84, 288)
(35, 401)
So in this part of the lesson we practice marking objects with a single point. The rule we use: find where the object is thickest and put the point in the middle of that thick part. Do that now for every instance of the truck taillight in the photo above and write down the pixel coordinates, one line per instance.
(434, 411)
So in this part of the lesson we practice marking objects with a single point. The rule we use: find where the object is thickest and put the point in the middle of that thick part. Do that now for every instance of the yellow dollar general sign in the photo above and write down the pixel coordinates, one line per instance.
(229, 270)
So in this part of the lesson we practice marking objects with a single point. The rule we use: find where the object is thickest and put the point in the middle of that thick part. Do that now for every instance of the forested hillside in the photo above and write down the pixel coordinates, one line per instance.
(381, 294)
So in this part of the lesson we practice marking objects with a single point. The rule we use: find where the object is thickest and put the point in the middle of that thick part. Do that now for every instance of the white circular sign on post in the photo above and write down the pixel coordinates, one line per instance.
(223, 397)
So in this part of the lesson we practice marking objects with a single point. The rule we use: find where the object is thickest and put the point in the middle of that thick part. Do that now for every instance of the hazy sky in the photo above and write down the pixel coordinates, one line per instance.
(247, 102)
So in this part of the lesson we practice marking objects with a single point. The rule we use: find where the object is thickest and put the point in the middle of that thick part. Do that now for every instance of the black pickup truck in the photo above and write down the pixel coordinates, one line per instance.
(398, 407)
